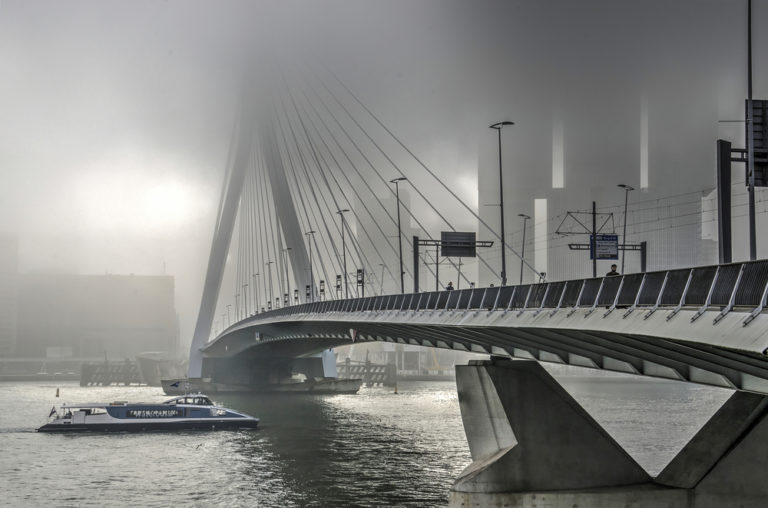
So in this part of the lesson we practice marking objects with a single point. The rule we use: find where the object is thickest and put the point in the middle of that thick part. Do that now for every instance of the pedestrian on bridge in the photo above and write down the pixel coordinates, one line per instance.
(449, 287)
(613, 272)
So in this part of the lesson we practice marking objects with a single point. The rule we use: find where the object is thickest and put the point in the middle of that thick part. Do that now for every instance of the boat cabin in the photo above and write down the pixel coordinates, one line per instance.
(191, 400)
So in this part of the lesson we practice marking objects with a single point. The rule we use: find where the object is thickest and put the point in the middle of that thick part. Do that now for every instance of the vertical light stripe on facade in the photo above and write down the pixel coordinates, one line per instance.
(644, 143)
(558, 154)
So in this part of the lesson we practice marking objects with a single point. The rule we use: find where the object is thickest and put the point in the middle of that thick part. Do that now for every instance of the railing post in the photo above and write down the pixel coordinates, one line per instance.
(578, 298)
(759, 308)
(525, 304)
(616, 298)
(597, 297)
(732, 299)
(543, 299)
(658, 297)
(637, 297)
(682, 298)
(709, 297)
(511, 299)
(560, 300)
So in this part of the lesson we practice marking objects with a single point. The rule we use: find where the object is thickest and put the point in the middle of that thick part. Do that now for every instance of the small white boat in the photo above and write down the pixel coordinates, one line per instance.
(187, 412)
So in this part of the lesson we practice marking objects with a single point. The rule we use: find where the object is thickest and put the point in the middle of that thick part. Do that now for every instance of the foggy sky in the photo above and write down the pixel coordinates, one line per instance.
(117, 115)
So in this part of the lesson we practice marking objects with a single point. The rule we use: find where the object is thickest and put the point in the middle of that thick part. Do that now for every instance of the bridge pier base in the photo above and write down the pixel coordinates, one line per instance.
(532, 445)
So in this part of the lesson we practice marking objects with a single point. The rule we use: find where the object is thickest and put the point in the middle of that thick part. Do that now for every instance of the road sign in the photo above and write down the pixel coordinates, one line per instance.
(458, 244)
(604, 247)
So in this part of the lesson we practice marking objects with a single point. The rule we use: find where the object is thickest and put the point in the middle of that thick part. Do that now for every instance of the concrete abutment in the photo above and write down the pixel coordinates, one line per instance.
(533, 445)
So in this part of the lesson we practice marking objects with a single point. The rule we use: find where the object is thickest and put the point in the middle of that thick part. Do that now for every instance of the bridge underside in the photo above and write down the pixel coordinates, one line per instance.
(617, 344)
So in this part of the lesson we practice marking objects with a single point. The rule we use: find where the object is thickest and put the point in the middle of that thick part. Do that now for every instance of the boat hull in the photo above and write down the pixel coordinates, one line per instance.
(203, 424)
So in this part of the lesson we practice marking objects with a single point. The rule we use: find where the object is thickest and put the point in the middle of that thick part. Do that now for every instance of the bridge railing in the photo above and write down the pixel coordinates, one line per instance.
(720, 287)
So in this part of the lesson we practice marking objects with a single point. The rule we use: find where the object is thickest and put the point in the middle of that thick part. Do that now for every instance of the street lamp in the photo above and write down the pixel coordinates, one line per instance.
(498, 127)
(344, 250)
(270, 280)
(229, 319)
(396, 181)
(627, 189)
(237, 306)
(522, 253)
(311, 273)
(245, 299)
(256, 296)
(287, 274)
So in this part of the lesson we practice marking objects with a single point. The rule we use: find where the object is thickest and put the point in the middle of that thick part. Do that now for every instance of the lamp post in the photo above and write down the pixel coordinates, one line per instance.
(522, 253)
(245, 300)
(498, 127)
(287, 273)
(396, 181)
(344, 250)
(270, 280)
(256, 298)
(627, 189)
(237, 306)
(229, 319)
(310, 235)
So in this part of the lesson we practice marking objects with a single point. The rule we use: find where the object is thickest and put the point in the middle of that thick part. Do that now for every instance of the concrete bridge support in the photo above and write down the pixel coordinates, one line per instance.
(532, 445)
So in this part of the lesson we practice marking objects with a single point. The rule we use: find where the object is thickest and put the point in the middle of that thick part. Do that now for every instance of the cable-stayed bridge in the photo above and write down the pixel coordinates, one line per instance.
(297, 168)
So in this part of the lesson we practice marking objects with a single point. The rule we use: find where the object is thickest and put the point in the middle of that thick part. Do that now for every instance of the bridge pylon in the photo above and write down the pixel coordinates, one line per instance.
(532, 444)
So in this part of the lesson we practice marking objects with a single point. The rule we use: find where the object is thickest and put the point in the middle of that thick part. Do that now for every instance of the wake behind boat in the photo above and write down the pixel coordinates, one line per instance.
(188, 412)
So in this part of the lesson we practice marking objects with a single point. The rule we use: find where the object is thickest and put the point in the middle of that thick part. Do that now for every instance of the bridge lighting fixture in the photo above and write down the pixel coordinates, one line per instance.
(311, 274)
(396, 181)
(344, 250)
(498, 127)
(627, 190)
(522, 250)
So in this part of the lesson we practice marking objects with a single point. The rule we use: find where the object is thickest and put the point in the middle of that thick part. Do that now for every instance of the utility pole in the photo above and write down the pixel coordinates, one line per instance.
(594, 239)
(522, 254)
(627, 189)
(287, 273)
(310, 236)
(344, 251)
(498, 127)
(396, 181)
(750, 140)
(271, 294)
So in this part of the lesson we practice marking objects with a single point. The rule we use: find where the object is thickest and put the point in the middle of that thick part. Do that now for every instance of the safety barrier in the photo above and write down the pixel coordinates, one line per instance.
(740, 286)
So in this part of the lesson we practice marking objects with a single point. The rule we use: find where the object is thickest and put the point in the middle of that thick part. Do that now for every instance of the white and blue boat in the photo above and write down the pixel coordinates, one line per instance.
(187, 412)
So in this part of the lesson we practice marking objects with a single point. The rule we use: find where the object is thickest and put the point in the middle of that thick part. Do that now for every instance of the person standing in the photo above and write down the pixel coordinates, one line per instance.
(613, 272)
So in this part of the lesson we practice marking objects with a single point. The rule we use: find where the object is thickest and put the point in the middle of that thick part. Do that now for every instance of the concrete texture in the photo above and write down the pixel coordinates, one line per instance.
(526, 433)
(713, 440)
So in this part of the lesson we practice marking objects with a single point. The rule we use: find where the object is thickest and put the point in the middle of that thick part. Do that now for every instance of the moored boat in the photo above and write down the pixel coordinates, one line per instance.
(187, 412)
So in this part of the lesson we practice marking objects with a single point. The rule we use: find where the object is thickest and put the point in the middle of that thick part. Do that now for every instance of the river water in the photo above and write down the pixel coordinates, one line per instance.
(375, 448)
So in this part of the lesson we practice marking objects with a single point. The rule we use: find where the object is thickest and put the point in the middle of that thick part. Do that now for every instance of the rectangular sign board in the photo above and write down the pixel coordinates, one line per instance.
(458, 244)
(604, 247)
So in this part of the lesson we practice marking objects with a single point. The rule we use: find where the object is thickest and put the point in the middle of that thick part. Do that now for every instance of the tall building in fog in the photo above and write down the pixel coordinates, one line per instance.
(49, 315)
(93, 315)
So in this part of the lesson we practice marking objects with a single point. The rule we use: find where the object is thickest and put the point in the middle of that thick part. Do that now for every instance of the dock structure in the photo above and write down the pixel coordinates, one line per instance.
(110, 373)
(371, 373)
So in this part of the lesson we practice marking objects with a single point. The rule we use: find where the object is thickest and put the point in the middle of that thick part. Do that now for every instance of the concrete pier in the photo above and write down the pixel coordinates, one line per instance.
(533, 445)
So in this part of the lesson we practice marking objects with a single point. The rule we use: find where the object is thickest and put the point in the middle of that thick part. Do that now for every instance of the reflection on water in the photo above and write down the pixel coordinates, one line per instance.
(371, 449)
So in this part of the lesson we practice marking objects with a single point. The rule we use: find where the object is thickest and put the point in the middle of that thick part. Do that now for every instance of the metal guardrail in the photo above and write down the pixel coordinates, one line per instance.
(742, 286)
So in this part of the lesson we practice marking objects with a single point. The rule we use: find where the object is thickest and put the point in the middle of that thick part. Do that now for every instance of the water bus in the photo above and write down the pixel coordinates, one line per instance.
(187, 412)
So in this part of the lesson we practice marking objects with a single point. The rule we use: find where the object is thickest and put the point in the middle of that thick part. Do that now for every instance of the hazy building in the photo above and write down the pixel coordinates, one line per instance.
(637, 118)
(93, 315)
(9, 253)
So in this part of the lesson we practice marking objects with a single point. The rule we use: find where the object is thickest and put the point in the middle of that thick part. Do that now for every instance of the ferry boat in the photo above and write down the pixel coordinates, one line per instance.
(187, 412)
